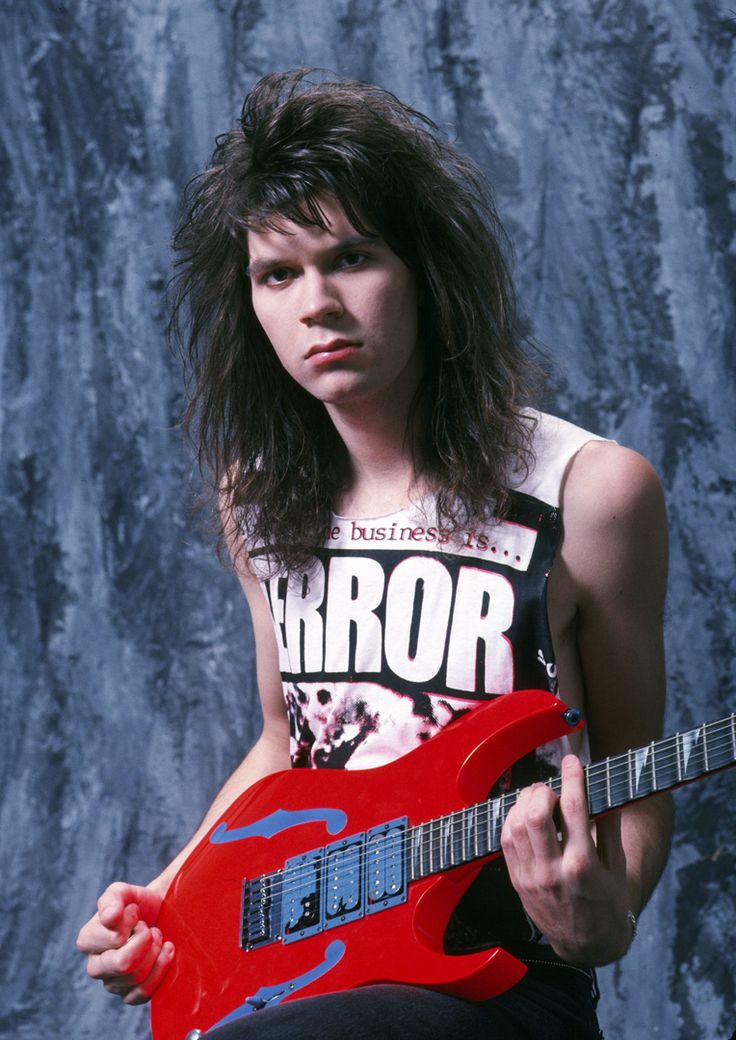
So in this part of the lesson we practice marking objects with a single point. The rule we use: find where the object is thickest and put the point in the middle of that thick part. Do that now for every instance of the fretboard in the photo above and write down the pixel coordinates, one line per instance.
(475, 832)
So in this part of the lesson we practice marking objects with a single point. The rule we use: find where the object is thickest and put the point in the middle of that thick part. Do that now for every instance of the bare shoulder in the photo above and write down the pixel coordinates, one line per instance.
(615, 528)
(606, 482)
(610, 583)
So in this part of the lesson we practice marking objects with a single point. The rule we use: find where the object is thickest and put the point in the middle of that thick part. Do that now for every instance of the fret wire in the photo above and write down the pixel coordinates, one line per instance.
(483, 840)
(498, 815)
(705, 747)
(680, 754)
(486, 825)
(480, 811)
(416, 838)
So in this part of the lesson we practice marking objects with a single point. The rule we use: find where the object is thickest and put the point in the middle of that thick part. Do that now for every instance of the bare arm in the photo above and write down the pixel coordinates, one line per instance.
(124, 948)
(606, 594)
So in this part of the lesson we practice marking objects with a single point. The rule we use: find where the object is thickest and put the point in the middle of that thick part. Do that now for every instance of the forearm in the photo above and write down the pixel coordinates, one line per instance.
(646, 834)
(646, 831)
(268, 755)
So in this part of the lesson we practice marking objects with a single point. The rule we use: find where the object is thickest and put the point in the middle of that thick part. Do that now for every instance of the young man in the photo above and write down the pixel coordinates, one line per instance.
(412, 539)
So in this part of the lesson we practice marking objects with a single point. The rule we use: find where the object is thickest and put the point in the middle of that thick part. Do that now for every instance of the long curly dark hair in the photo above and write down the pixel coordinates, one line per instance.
(262, 439)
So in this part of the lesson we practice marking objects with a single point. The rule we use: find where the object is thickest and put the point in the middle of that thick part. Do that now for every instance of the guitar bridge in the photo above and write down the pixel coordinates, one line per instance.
(261, 912)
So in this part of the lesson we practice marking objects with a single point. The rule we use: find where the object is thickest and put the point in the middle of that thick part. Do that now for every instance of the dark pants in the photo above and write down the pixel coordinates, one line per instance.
(552, 1002)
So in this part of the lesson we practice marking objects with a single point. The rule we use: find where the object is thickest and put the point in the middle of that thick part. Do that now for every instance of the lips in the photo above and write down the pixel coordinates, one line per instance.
(334, 346)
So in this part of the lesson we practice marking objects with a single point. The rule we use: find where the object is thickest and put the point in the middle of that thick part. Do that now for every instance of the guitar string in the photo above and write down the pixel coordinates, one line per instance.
(442, 832)
(435, 834)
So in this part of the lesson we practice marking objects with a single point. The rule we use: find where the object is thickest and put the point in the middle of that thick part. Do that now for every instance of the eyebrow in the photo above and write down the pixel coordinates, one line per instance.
(259, 267)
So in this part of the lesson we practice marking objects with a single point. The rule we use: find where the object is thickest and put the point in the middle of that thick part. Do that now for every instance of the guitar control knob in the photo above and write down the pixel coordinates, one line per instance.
(194, 1034)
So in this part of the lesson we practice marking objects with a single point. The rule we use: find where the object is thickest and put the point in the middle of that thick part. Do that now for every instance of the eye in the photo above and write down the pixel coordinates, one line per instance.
(276, 276)
(352, 259)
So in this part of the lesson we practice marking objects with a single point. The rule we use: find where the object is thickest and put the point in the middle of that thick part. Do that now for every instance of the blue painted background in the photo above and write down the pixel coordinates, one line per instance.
(608, 130)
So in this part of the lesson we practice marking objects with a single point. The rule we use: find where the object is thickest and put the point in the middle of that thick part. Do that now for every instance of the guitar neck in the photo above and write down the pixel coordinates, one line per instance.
(662, 765)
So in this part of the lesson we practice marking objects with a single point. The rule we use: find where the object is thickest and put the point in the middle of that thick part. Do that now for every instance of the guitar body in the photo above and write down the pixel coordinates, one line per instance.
(286, 816)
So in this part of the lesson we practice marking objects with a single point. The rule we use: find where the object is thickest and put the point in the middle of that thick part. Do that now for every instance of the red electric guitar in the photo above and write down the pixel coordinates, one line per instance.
(320, 880)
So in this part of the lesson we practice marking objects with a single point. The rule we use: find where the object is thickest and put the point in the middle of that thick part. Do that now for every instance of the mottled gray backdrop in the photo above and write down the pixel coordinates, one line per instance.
(607, 127)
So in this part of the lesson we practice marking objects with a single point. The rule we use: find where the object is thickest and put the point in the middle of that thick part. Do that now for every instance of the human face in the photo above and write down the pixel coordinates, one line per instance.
(340, 310)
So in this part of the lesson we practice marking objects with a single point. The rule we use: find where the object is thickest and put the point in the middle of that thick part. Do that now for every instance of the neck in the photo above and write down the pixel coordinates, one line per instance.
(382, 477)
(379, 440)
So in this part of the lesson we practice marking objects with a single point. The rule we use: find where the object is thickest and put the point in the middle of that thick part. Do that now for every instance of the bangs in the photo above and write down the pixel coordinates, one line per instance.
(300, 198)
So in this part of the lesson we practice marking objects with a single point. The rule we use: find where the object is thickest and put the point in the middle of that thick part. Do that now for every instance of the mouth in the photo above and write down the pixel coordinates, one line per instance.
(334, 350)
(330, 347)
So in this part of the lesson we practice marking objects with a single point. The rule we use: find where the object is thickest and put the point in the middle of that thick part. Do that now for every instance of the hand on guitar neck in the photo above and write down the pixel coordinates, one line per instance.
(571, 878)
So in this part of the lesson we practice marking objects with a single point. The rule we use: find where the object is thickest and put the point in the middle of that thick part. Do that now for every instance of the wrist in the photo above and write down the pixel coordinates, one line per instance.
(608, 945)
(160, 885)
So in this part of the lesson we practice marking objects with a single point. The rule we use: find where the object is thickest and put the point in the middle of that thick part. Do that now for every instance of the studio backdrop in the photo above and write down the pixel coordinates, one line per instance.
(126, 662)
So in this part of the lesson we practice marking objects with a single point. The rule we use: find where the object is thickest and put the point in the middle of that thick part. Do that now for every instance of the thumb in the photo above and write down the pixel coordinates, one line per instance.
(132, 902)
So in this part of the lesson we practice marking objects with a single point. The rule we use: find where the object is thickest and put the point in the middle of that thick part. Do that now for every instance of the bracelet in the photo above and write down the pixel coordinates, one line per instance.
(631, 918)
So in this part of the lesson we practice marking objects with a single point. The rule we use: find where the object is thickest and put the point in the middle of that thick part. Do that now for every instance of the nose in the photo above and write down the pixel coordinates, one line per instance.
(320, 299)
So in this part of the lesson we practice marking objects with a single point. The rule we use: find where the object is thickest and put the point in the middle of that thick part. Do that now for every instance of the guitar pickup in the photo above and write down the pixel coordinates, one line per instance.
(385, 864)
(301, 897)
(344, 883)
